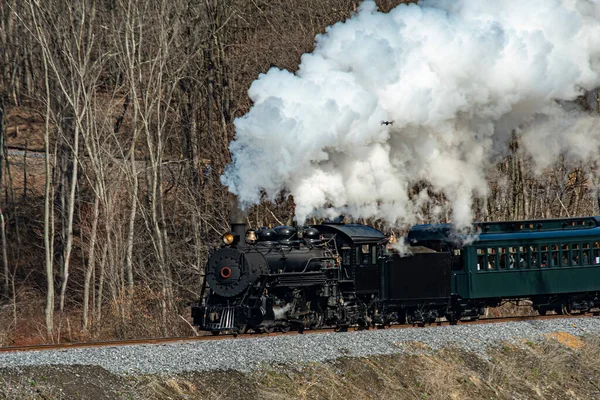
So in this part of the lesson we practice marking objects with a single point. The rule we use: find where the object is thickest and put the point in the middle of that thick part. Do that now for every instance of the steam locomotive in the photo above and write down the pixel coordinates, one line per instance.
(340, 275)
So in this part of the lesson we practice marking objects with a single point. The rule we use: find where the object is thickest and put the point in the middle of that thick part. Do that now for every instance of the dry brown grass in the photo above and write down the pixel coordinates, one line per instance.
(554, 369)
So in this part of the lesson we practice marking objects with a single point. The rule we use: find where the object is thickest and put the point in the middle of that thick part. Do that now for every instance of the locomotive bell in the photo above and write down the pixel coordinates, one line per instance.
(251, 237)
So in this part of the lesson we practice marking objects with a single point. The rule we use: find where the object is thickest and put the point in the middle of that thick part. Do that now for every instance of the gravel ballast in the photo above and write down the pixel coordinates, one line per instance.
(247, 354)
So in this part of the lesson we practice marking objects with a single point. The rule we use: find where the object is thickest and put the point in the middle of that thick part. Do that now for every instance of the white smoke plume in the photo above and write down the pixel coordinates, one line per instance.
(455, 77)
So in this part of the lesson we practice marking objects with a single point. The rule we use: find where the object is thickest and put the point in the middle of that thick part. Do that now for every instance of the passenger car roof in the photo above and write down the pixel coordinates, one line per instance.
(509, 230)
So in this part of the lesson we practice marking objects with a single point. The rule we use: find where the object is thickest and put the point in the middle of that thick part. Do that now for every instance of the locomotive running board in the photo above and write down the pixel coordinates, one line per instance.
(300, 279)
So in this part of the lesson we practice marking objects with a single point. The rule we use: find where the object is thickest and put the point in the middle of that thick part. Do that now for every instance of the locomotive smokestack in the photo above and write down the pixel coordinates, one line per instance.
(237, 219)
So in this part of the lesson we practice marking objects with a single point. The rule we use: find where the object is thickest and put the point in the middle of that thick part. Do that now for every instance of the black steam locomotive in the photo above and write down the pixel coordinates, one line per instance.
(338, 275)
(328, 275)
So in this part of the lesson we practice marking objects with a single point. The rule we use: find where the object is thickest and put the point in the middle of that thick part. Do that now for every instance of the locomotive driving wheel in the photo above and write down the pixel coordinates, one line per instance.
(241, 330)
(268, 328)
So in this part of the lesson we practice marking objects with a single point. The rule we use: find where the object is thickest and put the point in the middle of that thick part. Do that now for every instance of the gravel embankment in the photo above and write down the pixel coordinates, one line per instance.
(247, 354)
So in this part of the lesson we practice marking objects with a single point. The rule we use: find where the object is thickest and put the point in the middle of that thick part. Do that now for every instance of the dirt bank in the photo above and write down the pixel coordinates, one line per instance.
(562, 367)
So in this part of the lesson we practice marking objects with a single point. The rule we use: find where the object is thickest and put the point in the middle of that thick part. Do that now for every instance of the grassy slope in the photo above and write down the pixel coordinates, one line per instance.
(563, 367)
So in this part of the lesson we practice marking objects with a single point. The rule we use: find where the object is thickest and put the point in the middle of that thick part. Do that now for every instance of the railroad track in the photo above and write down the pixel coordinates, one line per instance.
(208, 336)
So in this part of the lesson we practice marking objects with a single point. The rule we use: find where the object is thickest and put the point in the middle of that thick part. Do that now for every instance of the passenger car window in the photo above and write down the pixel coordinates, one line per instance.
(512, 257)
(534, 257)
(481, 263)
(492, 258)
(523, 257)
(564, 255)
(544, 256)
(586, 260)
(575, 254)
(503, 258)
(554, 255)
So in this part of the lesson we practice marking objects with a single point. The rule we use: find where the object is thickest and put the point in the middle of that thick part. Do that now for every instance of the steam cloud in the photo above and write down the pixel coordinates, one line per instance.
(456, 77)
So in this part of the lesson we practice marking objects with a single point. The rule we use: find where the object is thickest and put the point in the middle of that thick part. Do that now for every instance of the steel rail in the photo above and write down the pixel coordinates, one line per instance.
(208, 336)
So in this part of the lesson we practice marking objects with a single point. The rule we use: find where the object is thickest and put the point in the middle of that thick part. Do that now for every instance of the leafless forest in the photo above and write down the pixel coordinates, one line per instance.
(115, 120)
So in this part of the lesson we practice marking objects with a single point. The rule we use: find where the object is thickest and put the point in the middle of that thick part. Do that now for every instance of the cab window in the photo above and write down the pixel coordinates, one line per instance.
(346, 256)
(365, 254)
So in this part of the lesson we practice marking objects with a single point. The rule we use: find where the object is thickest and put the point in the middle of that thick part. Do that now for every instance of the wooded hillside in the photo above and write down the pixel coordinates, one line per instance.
(115, 121)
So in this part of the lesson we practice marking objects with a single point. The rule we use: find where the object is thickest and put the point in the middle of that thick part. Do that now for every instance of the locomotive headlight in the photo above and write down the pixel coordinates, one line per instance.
(228, 238)
(251, 237)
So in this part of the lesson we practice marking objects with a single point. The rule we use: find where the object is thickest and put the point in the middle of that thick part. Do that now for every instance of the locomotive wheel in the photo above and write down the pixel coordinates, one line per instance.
(242, 330)
(215, 333)
(268, 329)
(453, 317)
(542, 311)
(341, 328)
(565, 309)
(284, 328)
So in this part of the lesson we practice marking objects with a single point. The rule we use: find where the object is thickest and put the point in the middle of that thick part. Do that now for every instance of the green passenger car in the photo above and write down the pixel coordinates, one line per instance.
(554, 263)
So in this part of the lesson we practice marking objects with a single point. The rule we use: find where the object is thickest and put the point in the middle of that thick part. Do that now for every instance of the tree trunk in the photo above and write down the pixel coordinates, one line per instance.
(101, 278)
(69, 228)
(48, 216)
(131, 230)
(4, 256)
(91, 263)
